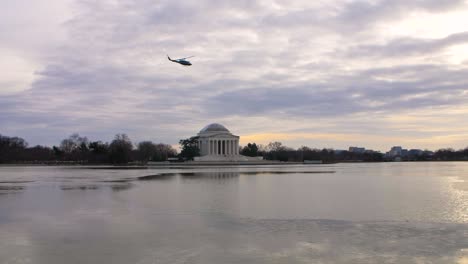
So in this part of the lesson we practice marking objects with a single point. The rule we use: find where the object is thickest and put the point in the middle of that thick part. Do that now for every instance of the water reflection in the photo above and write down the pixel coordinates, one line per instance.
(79, 187)
(287, 172)
(121, 187)
(125, 185)
(11, 188)
(156, 177)
(211, 175)
(215, 175)
(371, 213)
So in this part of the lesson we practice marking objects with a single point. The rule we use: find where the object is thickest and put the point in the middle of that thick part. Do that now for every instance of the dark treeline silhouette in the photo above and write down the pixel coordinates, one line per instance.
(121, 150)
(277, 151)
(353, 156)
(451, 154)
(77, 149)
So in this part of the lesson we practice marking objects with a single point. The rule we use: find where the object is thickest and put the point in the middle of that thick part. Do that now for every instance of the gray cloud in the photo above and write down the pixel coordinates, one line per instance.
(430, 88)
(408, 46)
(356, 16)
(252, 60)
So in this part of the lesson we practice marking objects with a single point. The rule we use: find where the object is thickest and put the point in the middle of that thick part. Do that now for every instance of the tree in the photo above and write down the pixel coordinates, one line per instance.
(250, 150)
(98, 152)
(164, 151)
(146, 150)
(75, 147)
(120, 149)
(11, 148)
(189, 148)
(73, 143)
(97, 147)
(275, 146)
(276, 151)
(38, 153)
(307, 153)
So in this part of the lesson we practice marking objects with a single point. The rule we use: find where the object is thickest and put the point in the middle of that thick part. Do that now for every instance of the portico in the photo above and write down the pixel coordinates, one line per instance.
(218, 146)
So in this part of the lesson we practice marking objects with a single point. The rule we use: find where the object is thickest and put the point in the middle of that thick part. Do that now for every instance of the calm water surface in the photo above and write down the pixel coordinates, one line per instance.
(341, 213)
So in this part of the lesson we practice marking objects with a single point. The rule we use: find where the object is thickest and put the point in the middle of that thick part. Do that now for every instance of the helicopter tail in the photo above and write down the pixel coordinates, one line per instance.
(169, 58)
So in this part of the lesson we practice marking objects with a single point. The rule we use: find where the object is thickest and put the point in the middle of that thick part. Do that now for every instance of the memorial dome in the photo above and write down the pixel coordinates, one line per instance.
(215, 127)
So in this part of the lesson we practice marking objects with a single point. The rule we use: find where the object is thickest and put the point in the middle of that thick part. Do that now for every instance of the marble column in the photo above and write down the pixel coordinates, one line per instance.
(227, 146)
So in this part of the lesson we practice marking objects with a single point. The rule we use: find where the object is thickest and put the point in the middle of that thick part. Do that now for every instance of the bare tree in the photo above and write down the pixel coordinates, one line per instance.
(120, 149)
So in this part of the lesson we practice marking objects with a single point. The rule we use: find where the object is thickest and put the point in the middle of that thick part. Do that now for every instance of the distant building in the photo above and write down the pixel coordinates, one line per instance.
(404, 153)
(398, 153)
(415, 152)
(357, 150)
(395, 151)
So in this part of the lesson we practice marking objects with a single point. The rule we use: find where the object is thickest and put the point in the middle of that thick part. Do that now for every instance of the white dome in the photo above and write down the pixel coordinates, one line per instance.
(215, 127)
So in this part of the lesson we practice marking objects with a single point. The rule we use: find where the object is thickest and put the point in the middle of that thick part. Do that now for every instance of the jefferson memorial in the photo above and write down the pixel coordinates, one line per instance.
(216, 143)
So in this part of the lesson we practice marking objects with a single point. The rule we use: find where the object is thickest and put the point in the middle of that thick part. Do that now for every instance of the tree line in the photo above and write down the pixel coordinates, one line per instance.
(78, 149)
(121, 150)
(278, 151)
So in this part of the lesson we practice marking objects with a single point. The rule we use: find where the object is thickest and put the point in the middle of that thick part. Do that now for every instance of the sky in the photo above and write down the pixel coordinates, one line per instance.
(328, 74)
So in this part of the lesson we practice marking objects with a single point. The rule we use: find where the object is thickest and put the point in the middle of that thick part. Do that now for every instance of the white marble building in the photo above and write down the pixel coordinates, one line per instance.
(216, 143)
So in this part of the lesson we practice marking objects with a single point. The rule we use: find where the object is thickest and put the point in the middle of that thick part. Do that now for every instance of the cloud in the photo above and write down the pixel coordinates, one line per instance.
(403, 47)
(258, 66)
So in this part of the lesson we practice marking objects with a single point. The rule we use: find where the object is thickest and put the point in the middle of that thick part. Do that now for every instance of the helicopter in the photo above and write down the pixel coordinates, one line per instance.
(181, 61)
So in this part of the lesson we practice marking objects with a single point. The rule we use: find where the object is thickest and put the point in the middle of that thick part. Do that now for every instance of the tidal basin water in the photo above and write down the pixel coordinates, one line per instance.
(340, 213)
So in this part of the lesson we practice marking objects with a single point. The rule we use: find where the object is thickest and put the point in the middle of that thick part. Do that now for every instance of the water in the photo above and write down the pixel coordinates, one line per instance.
(341, 213)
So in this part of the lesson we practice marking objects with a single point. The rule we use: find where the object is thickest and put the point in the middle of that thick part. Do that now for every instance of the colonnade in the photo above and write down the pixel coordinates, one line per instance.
(220, 146)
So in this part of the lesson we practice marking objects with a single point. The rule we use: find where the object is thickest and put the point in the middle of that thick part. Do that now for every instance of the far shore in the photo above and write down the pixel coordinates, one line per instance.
(193, 164)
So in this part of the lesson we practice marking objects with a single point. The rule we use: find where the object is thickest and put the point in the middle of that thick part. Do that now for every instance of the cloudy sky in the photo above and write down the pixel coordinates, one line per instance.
(317, 73)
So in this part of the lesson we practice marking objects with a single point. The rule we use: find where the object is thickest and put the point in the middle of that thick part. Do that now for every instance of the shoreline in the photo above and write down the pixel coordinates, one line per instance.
(196, 164)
